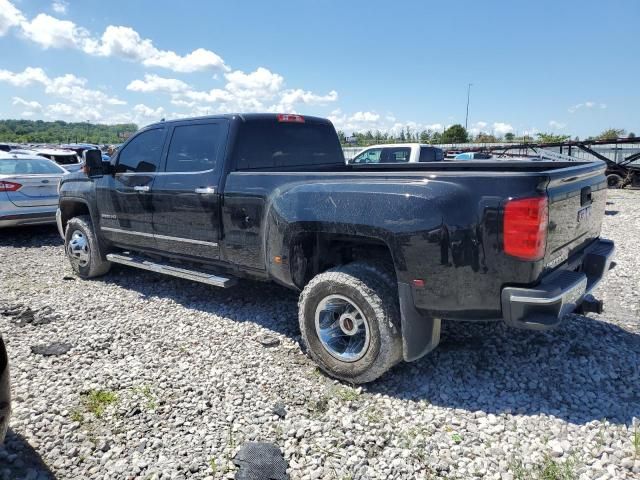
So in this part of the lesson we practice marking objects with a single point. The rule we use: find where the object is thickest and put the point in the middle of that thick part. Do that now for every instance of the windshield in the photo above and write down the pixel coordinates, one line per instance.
(20, 166)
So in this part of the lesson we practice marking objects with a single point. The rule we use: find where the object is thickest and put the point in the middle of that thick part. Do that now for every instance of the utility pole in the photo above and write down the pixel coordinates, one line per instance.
(466, 120)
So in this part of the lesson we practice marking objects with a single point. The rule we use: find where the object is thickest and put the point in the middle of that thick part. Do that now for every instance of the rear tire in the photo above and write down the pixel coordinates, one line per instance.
(350, 322)
(614, 181)
(82, 249)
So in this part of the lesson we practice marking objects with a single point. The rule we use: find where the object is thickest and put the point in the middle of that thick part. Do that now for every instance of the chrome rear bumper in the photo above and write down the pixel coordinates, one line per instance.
(559, 294)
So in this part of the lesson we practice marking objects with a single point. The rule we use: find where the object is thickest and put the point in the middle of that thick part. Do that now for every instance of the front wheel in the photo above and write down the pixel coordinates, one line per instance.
(81, 246)
(350, 323)
(614, 181)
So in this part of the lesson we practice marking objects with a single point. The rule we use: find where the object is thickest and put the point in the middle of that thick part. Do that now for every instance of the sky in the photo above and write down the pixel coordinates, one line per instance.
(567, 67)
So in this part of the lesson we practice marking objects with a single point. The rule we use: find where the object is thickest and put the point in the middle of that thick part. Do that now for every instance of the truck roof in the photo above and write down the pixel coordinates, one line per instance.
(386, 145)
(242, 116)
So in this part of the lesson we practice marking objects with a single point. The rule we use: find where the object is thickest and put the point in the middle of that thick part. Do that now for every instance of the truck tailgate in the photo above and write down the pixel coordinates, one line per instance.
(577, 198)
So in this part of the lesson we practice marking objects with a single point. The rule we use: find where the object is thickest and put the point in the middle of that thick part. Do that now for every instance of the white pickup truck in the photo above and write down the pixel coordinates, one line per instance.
(398, 153)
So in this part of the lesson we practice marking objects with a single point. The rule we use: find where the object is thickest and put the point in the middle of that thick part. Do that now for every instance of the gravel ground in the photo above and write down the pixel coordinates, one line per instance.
(163, 378)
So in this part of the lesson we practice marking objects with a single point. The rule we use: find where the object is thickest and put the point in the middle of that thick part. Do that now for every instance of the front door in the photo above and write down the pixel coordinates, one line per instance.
(186, 199)
(124, 198)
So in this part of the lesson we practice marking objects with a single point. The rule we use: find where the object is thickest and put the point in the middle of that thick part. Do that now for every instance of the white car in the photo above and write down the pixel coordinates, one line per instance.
(67, 159)
(398, 153)
(28, 189)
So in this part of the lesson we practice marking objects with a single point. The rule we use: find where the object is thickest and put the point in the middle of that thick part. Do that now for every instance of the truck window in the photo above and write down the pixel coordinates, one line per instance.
(369, 156)
(268, 143)
(194, 148)
(396, 155)
(142, 153)
(431, 154)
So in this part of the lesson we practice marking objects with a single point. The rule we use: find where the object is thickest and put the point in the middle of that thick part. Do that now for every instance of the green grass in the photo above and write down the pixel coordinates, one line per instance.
(345, 394)
(77, 416)
(549, 469)
(636, 442)
(456, 437)
(150, 399)
(319, 406)
(96, 401)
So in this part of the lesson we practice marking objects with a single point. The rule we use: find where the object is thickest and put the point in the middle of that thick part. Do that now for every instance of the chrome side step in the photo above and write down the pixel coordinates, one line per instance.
(168, 269)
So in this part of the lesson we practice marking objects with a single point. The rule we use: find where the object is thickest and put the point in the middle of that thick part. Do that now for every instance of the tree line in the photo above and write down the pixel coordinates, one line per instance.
(458, 134)
(39, 131)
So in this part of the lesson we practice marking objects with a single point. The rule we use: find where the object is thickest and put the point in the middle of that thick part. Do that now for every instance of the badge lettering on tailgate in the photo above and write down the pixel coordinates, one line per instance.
(584, 214)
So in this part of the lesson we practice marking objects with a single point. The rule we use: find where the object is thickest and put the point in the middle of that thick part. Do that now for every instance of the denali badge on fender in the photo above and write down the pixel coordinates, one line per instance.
(584, 213)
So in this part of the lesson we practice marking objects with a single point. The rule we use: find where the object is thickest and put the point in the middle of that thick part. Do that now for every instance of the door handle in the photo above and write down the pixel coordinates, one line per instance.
(206, 190)
(142, 188)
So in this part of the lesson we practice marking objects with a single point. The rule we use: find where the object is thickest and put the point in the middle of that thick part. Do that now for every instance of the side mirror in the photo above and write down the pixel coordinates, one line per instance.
(93, 164)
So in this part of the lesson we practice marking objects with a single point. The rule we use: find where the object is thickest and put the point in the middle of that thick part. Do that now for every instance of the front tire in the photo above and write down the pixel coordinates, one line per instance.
(614, 181)
(81, 247)
(350, 323)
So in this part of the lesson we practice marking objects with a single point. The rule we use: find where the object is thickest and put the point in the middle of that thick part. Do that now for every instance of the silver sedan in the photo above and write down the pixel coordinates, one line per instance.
(28, 190)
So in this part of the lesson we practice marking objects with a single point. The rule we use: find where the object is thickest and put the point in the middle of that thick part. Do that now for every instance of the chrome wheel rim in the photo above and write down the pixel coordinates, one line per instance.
(78, 249)
(342, 328)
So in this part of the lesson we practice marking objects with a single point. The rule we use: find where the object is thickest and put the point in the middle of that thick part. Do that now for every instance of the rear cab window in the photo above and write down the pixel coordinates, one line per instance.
(196, 147)
(276, 145)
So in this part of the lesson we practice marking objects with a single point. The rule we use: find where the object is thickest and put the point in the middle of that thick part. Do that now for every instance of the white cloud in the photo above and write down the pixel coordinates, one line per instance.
(260, 90)
(64, 111)
(501, 128)
(59, 6)
(71, 88)
(29, 76)
(155, 83)
(364, 117)
(557, 125)
(31, 104)
(261, 83)
(586, 105)
(182, 103)
(10, 17)
(116, 41)
(366, 120)
(125, 42)
(150, 112)
(291, 97)
(50, 32)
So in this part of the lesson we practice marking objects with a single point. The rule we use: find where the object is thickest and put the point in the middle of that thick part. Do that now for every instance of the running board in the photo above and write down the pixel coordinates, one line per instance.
(168, 269)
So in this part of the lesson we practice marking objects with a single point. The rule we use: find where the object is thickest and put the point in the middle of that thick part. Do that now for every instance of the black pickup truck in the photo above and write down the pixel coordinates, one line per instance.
(380, 253)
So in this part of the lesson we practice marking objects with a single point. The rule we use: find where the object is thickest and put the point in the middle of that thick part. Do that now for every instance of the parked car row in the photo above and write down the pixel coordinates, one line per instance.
(68, 155)
(395, 153)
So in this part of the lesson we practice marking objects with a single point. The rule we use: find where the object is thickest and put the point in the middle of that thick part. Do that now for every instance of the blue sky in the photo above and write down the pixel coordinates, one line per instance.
(561, 66)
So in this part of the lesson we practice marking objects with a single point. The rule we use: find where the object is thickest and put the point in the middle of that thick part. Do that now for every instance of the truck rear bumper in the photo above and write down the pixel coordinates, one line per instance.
(560, 293)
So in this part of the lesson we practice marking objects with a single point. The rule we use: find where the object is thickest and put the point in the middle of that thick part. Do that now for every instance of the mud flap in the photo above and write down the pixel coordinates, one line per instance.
(260, 461)
(420, 334)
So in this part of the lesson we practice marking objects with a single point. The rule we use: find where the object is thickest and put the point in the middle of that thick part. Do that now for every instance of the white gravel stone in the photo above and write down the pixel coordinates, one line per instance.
(192, 381)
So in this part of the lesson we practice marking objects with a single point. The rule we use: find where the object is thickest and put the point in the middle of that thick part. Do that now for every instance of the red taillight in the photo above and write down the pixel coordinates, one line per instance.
(287, 117)
(525, 227)
(9, 186)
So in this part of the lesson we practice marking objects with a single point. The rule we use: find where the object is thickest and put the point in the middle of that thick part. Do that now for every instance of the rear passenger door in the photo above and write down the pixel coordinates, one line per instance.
(186, 197)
